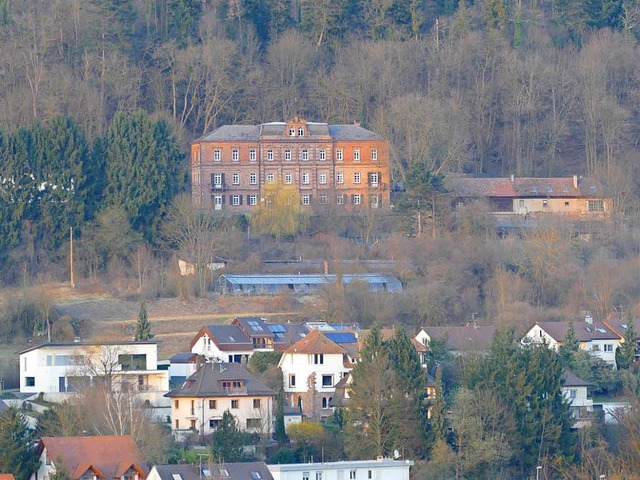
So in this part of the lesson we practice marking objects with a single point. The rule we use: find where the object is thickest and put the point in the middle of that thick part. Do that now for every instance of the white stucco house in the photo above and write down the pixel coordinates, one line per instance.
(595, 337)
(381, 469)
(575, 390)
(313, 366)
(59, 369)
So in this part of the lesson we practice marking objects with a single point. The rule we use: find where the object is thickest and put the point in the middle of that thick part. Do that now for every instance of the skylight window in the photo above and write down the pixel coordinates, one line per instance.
(588, 329)
(255, 476)
(176, 476)
(534, 189)
(565, 189)
(593, 189)
(206, 472)
(601, 330)
(550, 188)
(624, 325)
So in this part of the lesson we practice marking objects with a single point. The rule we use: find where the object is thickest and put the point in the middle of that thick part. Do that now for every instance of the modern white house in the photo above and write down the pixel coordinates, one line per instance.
(595, 337)
(313, 366)
(198, 404)
(381, 469)
(460, 340)
(59, 369)
(575, 390)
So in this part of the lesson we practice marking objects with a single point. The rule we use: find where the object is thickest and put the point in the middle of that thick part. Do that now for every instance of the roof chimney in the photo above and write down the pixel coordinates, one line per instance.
(575, 182)
(588, 318)
(513, 178)
(356, 123)
(326, 267)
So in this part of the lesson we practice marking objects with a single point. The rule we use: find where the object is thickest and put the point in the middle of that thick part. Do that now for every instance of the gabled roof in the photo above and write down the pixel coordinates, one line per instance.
(226, 337)
(572, 380)
(184, 357)
(464, 338)
(109, 456)
(585, 332)
(253, 326)
(463, 186)
(235, 471)
(207, 382)
(6, 476)
(619, 325)
(315, 342)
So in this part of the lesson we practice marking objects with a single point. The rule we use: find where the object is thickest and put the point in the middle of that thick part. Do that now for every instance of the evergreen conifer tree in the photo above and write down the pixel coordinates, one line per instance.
(280, 433)
(17, 445)
(143, 327)
(226, 442)
(627, 350)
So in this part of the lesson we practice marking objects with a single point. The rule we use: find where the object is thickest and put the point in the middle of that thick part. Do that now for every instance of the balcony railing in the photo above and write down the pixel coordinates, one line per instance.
(236, 390)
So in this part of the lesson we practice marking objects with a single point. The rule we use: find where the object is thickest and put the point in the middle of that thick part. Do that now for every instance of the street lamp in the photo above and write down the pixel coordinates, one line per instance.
(538, 468)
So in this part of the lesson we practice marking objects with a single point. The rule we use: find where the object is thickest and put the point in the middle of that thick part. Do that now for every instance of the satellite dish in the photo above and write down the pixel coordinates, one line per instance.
(396, 454)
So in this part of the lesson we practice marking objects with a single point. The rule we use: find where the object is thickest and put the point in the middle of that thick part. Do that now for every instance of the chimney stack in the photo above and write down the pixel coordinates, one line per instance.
(588, 318)
(326, 267)
(575, 182)
(513, 178)
(356, 123)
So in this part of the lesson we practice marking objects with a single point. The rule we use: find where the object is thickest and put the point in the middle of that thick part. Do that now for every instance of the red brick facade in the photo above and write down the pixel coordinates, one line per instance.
(342, 165)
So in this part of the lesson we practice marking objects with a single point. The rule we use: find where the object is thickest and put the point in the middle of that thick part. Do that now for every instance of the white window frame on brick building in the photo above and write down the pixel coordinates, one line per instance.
(306, 199)
(356, 177)
(217, 155)
(235, 178)
(356, 154)
(322, 155)
(252, 155)
(322, 178)
(253, 178)
(287, 155)
(288, 178)
(305, 178)
(339, 177)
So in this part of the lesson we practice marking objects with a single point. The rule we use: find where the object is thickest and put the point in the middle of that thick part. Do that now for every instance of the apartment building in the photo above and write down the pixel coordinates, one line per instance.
(342, 165)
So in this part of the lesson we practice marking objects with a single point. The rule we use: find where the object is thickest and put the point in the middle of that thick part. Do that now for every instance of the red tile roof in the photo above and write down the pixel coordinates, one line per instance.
(6, 476)
(109, 456)
(315, 342)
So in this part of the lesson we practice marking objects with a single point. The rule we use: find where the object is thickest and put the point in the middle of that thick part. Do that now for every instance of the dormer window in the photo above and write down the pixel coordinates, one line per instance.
(292, 132)
(300, 132)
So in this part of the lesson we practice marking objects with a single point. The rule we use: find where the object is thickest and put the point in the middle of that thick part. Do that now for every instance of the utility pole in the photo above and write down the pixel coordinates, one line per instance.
(73, 285)
(419, 224)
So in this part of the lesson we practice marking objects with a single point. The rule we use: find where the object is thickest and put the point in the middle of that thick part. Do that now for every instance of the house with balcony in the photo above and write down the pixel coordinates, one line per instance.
(313, 366)
(595, 337)
(575, 391)
(107, 457)
(198, 404)
(59, 369)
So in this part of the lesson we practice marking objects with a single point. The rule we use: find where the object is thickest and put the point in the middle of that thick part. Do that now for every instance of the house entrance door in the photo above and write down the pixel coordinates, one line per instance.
(217, 202)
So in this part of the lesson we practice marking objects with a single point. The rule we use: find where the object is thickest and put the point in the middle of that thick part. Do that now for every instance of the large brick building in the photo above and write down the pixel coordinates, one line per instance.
(342, 165)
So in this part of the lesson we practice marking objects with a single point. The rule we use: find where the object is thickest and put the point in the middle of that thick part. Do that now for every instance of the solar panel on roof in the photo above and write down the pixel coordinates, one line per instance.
(341, 337)
(255, 325)
(277, 328)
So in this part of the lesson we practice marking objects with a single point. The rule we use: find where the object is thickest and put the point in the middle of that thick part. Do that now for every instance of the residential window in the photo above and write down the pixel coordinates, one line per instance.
(339, 155)
(305, 154)
(217, 155)
(357, 200)
(573, 393)
(373, 179)
(566, 204)
(252, 155)
(30, 381)
(235, 403)
(608, 347)
(322, 155)
(545, 203)
(322, 199)
(235, 200)
(374, 155)
(256, 403)
(253, 178)
(253, 423)
(288, 178)
(356, 154)
(339, 177)
(340, 199)
(271, 178)
(374, 201)
(235, 178)
(193, 407)
(369, 474)
(269, 154)
(300, 132)
(177, 424)
(322, 178)
(193, 425)
(176, 404)
(213, 423)
(213, 404)
(356, 177)
(235, 155)
(352, 474)
(327, 380)
(292, 132)
(318, 475)
(217, 179)
(253, 200)
(287, 155)
(305, 178)
(325, 402)
(305, 475)
(288, 201)
(318, 358)
(292, 381)
(596, 205)
(306, 199)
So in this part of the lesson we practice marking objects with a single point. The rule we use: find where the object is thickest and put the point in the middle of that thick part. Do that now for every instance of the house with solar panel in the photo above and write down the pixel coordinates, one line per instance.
(313, 366)
(303, 283)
